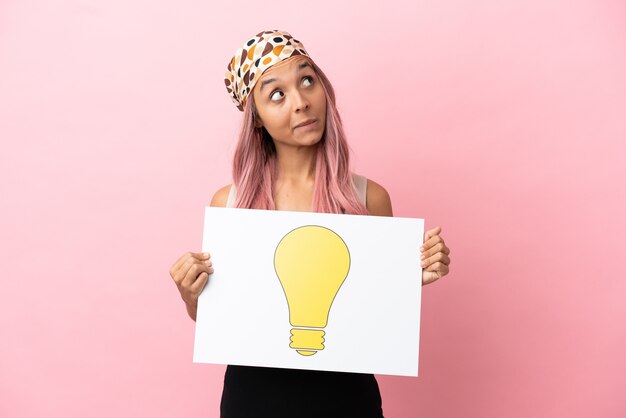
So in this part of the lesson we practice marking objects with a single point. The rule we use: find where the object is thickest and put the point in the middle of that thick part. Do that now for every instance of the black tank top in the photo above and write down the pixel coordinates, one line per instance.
(251, 392)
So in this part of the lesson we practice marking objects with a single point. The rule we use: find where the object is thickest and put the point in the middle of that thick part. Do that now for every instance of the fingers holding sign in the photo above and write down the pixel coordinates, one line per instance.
(435, 257)
(191, 273)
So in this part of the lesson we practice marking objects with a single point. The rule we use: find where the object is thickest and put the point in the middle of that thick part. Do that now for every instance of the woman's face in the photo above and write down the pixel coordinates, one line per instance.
(287, 95)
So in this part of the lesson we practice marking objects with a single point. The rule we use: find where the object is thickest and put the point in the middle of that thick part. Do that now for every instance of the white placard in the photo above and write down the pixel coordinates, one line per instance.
(280, 276)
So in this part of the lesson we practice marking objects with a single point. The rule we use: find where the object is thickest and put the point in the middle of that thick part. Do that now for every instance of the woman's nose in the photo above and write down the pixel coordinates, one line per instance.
(301, 102)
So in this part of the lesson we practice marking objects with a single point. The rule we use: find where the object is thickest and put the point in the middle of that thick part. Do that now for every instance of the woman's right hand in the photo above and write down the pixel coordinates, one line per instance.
(191, 273)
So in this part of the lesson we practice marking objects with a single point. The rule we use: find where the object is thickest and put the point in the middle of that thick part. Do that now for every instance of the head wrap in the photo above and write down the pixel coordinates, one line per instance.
(257, 55)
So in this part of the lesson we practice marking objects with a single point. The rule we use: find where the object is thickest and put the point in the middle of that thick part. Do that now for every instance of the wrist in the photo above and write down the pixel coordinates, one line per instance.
(192, 310)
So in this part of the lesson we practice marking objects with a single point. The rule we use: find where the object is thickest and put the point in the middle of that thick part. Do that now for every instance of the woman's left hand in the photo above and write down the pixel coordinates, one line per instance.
(435, 256)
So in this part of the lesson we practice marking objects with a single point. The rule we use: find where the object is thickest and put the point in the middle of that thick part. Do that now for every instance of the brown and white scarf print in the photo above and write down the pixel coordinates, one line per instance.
(257, 55)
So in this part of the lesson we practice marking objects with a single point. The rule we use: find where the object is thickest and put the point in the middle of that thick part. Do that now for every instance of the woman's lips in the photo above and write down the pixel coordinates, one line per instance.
(307, 124)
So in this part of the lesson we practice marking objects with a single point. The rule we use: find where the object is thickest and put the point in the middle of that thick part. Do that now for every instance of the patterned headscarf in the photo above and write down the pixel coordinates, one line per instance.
(257, 55)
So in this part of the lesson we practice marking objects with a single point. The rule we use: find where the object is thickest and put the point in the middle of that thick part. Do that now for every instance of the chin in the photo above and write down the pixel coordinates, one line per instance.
(313, 140)
(307, 139)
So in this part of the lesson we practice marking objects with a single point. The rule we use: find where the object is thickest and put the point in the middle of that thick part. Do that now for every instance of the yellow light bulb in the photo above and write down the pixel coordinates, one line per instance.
(311, 263)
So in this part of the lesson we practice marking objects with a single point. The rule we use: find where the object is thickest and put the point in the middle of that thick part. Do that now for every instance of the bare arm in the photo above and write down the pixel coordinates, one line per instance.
(435, 255)
(378, 200)
(220, 197)
(191, 271)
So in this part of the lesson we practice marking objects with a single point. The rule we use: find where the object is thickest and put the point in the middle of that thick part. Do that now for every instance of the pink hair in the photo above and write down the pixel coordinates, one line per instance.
(254, 165)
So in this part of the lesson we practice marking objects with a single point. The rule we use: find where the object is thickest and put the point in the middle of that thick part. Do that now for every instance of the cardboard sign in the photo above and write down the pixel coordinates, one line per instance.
(314, 291)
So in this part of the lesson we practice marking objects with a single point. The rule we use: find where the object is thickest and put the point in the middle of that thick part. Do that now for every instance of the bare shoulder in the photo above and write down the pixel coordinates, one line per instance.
(220, 198)
(378, 200)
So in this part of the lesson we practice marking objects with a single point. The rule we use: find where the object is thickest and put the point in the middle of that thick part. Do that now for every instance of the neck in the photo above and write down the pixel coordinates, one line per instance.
(296, 164)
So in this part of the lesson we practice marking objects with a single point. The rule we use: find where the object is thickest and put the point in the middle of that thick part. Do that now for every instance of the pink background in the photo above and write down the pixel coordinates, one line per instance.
(502, 121)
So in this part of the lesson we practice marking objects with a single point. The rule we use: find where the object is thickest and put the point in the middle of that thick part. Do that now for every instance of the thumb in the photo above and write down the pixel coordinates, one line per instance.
(432, 232)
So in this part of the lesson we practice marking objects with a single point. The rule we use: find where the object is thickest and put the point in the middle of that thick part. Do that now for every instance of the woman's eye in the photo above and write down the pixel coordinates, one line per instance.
(274, 96)
(309, 78)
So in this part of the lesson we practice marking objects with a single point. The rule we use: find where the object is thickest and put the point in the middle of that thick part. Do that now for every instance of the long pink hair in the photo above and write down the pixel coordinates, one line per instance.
(254, 165)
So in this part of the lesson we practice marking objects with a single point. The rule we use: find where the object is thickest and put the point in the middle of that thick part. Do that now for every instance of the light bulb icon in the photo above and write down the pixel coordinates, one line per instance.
(311, 263)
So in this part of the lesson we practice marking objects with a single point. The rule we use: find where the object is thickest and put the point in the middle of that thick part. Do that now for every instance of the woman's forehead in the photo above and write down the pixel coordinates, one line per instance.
(284, 66)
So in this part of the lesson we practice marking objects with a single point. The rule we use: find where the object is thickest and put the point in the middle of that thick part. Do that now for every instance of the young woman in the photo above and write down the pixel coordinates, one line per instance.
(292, 155)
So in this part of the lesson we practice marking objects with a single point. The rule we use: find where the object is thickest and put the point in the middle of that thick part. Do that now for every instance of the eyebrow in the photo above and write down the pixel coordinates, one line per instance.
(271, 80)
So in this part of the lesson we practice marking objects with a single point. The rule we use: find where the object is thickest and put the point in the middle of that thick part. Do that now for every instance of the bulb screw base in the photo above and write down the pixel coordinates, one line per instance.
(307, 341)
